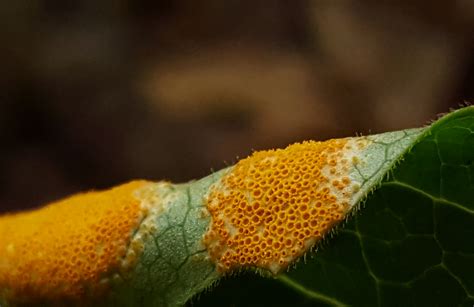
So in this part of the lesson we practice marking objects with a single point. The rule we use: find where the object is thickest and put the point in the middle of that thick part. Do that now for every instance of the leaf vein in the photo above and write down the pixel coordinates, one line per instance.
(434, 198)
(309, 293)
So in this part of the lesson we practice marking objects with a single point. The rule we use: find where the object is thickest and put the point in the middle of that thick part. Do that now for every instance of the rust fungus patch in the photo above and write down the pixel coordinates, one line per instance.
(275, 205)
(66, 250)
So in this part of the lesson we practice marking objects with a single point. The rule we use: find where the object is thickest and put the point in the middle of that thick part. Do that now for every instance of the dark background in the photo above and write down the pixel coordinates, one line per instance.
(95, 93)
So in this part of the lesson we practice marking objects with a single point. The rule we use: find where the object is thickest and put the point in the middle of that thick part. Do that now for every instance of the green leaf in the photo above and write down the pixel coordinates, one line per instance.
(407, 238)
(411, 243)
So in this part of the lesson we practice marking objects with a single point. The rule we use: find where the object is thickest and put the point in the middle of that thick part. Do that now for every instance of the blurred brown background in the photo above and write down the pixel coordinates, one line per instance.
(95, 93)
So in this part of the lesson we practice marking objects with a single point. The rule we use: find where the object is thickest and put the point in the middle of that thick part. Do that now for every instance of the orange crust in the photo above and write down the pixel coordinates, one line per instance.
(67, 249)
(274, 205)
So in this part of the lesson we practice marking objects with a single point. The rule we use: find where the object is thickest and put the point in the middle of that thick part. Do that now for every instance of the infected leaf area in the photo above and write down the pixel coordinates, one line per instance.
(68, 249)
(275, 205)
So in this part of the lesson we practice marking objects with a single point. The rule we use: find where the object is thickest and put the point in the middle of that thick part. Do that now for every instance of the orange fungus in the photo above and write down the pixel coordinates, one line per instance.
(68, 248)
(274, 205)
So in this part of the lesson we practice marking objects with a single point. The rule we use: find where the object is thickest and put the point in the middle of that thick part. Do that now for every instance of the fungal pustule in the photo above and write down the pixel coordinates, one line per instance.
(276, 204)
(69, 250)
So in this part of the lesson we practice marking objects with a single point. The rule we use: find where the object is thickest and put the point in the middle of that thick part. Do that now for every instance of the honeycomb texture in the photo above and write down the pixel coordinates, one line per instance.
(67, 249)
(275, 205)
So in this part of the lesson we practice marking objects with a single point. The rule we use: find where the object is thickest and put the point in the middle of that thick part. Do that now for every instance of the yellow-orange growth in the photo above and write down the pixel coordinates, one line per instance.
(67, 249)
(274, 205)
